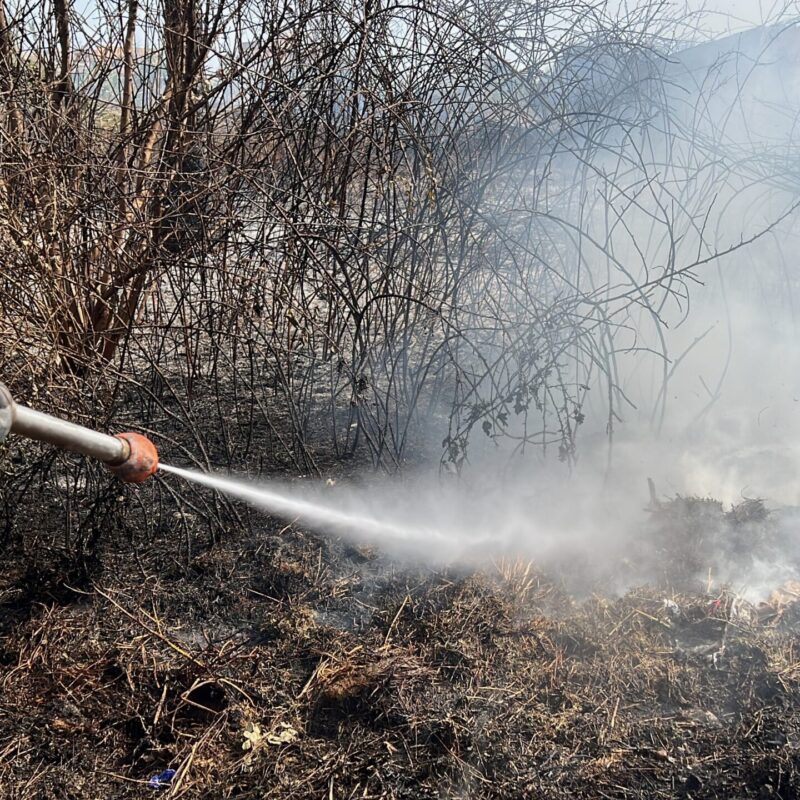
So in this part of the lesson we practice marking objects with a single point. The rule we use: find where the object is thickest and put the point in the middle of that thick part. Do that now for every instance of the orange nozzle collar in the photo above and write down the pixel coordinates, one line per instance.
(142, 461)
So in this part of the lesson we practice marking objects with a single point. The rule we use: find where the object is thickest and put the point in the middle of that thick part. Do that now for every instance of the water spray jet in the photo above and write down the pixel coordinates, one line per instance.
(133, 458)
(294, 505)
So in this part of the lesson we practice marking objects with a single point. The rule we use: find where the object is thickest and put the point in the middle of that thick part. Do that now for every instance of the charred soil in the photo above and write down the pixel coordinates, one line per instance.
(293, 666)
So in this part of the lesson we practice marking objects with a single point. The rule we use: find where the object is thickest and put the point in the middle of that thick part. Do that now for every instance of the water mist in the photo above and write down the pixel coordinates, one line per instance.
(295, 504)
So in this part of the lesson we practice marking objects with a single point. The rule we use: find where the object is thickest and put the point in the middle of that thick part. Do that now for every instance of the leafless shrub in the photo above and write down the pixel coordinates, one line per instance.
(301, 229)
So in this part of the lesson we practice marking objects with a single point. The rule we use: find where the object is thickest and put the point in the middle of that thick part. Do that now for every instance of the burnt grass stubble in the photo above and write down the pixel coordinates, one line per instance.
(272, 662)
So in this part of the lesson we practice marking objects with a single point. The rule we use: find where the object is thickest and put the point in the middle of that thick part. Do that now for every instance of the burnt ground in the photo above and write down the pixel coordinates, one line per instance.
(294, 666)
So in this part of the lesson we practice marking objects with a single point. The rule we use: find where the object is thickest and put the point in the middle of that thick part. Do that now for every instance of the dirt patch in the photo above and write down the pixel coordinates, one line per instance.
(296, 667)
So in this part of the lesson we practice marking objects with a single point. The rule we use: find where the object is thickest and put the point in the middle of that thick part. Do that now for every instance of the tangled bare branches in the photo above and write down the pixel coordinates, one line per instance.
(313, 227)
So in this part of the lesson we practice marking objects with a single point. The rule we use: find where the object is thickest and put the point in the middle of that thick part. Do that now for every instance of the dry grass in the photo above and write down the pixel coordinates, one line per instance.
(487, 685)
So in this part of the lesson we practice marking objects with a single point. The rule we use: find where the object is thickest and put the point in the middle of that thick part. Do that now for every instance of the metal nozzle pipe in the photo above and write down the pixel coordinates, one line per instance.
(68, 436)
(131, 456)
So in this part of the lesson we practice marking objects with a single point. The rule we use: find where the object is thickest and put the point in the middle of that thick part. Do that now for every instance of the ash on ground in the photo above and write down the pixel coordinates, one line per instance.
(294, 666)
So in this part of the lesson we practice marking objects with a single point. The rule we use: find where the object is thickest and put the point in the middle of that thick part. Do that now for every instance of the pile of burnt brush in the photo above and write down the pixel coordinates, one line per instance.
(694, 543)
(296, 667)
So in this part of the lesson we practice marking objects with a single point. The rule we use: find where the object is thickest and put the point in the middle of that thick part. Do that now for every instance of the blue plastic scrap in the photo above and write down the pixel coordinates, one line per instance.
(163, 780)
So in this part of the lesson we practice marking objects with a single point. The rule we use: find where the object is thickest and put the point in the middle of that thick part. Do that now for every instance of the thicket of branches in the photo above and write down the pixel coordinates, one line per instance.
(311, 229)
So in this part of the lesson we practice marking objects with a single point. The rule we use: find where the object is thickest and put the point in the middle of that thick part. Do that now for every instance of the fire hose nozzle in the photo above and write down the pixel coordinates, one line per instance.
(132, 457)
(142, 460)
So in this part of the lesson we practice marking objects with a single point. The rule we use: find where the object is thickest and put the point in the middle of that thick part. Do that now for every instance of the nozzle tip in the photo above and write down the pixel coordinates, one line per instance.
(142, 461)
